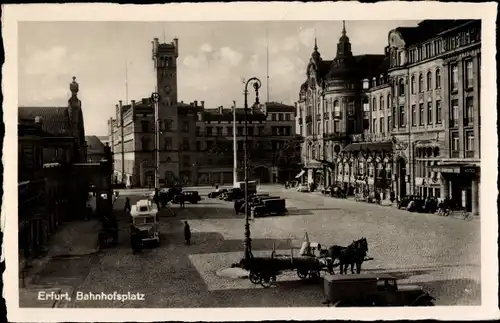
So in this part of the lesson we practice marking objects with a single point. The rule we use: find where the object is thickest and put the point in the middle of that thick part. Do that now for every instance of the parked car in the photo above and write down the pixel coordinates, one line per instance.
(272, 206)
(188, 196)
(144, 217)
(372, 290)
(302, 188)
(217, 193)
(233, 194)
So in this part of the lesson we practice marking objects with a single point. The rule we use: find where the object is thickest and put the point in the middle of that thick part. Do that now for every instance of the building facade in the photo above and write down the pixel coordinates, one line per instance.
(196, 143)
(54, 177)
(407, 122)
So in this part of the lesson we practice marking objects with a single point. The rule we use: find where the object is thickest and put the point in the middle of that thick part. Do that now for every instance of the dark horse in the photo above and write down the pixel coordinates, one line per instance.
(354, 254)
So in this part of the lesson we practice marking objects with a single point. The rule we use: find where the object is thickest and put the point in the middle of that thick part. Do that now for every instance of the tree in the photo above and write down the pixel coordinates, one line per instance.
(290, 155)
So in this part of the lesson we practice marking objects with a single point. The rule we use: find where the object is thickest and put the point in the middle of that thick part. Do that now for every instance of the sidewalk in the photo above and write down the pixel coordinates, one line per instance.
(73, 239)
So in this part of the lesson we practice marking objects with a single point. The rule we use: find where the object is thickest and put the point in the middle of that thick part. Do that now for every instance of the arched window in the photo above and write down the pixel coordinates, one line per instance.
(366, 105)
(389, 100)
(374, 104)
(429, 81)
(401, 87)
(413, 84)
(421, 83)
(336, 108)
(327, 130)
(438, 79)
(381, 106)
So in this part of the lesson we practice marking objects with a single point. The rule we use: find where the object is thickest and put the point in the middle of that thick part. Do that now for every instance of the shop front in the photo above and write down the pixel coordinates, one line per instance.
(460, 184)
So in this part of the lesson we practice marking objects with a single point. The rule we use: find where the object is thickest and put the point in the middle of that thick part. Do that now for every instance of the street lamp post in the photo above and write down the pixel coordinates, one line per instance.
(248, 241)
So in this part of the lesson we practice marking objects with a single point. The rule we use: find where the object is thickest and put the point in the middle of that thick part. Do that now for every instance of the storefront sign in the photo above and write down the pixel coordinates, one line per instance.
(452, 170)
(469, 170)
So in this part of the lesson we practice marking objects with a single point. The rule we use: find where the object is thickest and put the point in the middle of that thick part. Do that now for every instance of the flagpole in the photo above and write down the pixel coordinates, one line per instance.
(267, 62)
(235, 146)
(126, 81)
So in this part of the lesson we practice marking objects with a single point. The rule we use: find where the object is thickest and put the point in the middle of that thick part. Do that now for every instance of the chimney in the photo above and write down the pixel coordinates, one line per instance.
(195, 103)
(203, 104)
(120, 103)
(117, 112)
(221, 109)
(132, 103)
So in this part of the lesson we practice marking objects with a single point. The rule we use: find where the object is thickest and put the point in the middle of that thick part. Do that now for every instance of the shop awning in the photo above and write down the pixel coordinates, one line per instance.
(300, 174)
(369, 146)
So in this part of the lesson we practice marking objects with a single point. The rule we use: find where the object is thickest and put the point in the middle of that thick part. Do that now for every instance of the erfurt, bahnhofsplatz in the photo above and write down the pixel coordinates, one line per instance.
(405, 122)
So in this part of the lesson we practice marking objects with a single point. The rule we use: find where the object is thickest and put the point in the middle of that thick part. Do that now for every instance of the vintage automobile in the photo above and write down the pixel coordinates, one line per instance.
(233, 194)
(272, 206)
(188, 196)
(302, 188)
(217, 193)
(144, 217)
(372, 290)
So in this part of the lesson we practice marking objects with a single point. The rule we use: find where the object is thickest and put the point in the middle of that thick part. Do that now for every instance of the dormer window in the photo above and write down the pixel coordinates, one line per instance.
(366, 84)
(374, 81)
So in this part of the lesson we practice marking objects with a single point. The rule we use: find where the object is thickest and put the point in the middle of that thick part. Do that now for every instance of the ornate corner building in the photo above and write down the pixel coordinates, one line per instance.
(406, 122)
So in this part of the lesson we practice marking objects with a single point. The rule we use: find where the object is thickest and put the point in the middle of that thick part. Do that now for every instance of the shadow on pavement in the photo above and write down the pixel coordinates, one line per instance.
(458, 291)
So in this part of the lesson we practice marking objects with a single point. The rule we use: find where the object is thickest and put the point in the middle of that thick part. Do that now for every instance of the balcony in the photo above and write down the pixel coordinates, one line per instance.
(469, 154)
(454, 154)
(335, 136)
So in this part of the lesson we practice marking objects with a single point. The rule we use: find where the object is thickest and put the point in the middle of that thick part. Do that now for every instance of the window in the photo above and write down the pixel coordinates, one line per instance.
(388, 101)
(420, 83)
(186, 161)
(381, 106)
(250, 131)
(361, 167)
(273, 116)
(336, 126)
(351, 125)
(229, 131)
(469, 111)
(185, 144)
(454, 77)
(469, 144)
(429, 113)
(336, 109)
(185, 126)
(469, 74)
(168, 125)
(394, 117)
(438, 112)
(239, 131)
(400, 58)
(401, 87)
(374, 104)
(318, 127)
(167, 144)
(280, 116)
(287, 117)
(413, 115)
(145, 144)
(374, 125)
(454, 113)
(366, 84)
(389, 124)
(429, 81)
(145, 126)
(209, 131)
(382, 128)
(260, 130)
(366, 105)
(438, 79)
(454, 141)
(350, 108)
(413, 84)
(402, 116)
(421, 114)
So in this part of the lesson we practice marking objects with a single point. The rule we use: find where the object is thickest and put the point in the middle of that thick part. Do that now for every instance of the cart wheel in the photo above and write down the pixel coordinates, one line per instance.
(266, 282)
(302, 274)
(255, 277)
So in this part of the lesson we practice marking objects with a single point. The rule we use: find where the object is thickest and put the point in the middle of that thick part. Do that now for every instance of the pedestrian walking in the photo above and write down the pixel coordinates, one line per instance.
(127, 207)
(187, 233)
(156, 199)
(182, 202)
(237, 206)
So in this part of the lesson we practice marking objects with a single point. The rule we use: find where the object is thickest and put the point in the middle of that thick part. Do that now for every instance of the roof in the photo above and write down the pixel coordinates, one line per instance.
(428, 29)
(361, 65)
(279, 107)
(94, 144)
(55, 120)
(352, 277)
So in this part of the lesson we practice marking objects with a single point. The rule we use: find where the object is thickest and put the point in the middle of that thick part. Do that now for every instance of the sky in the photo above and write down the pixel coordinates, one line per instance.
(213, 59)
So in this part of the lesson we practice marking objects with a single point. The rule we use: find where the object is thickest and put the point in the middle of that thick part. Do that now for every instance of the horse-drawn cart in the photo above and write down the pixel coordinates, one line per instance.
(264, 270)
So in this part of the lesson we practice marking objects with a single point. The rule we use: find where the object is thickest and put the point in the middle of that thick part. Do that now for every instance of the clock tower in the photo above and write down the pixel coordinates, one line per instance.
(165, 64)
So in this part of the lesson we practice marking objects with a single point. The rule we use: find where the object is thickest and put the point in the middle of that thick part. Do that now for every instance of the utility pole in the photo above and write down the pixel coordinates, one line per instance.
(235, 147)
(155, 97)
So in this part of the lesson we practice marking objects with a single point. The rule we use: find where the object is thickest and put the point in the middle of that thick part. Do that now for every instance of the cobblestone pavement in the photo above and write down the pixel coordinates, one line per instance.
(439, 253)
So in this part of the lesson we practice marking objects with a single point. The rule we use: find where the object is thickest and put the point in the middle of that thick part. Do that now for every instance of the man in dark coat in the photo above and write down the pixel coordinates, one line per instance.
(127, 207)
(187, 233)
(156, 198)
